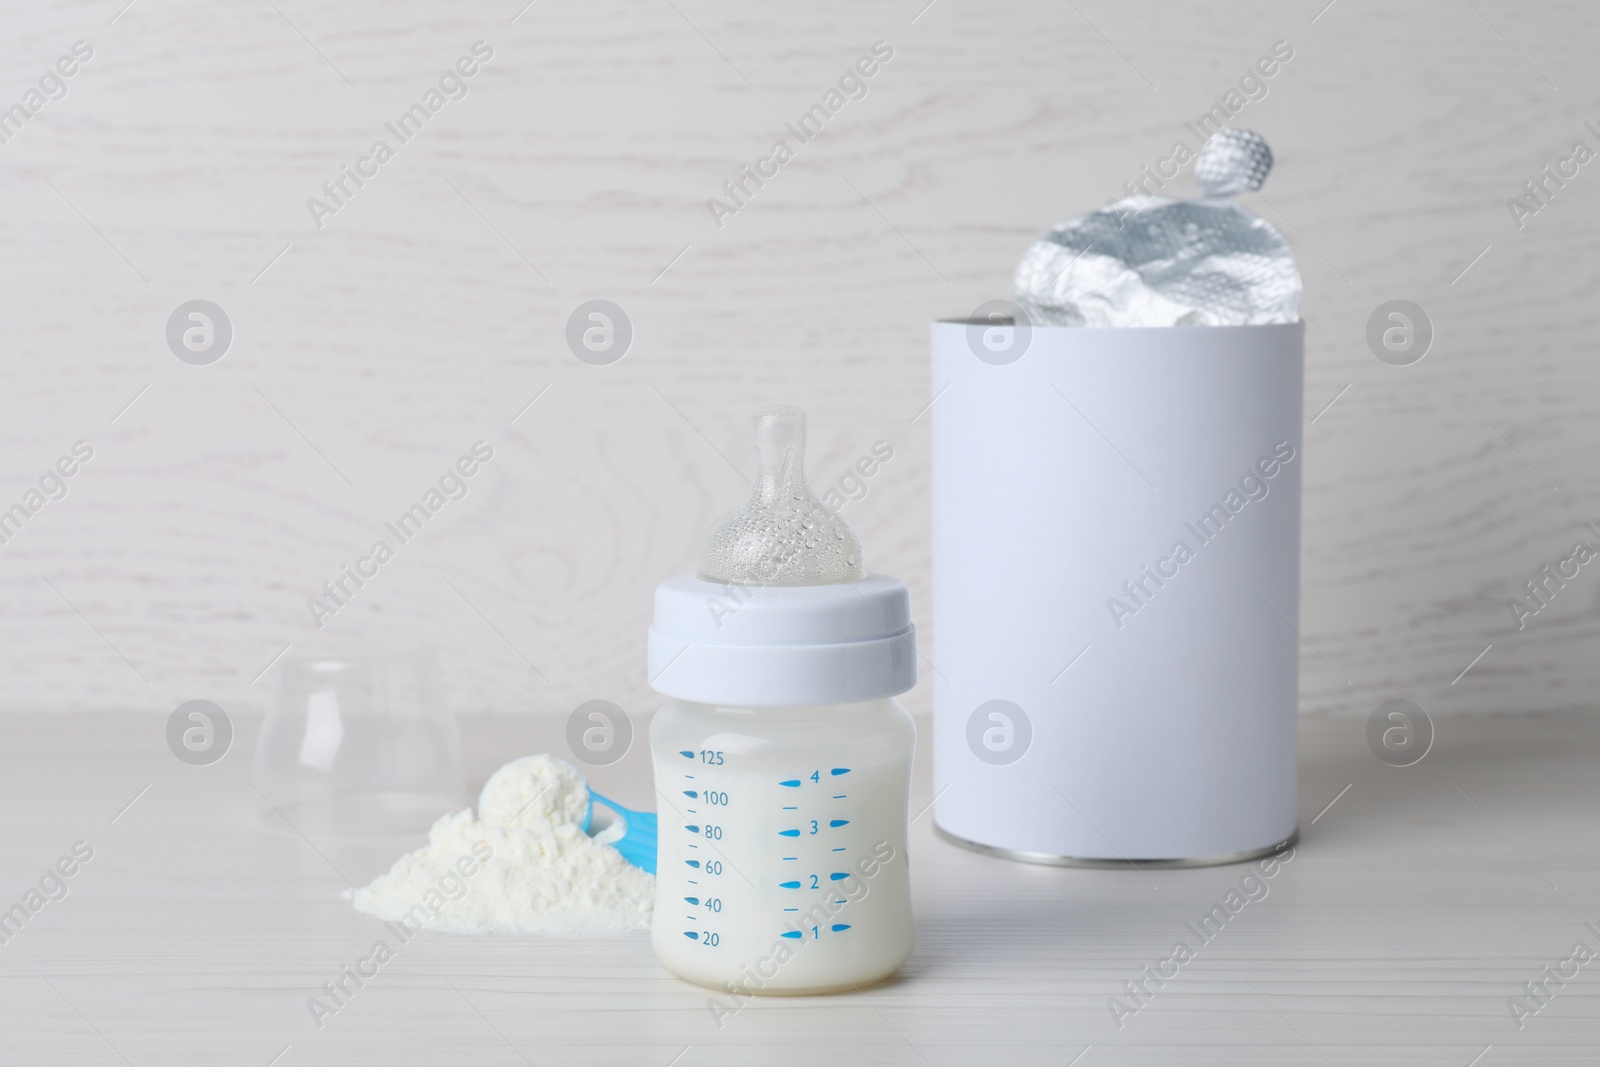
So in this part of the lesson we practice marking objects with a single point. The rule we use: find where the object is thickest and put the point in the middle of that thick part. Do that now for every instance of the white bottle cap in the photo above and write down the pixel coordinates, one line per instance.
(770, 646)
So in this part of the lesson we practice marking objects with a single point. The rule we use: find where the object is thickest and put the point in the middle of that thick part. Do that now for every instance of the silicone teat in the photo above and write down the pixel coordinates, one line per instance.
(784, 535)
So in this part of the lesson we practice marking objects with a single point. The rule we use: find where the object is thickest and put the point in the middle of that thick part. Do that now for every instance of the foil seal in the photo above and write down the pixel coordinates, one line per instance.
(1151, 261)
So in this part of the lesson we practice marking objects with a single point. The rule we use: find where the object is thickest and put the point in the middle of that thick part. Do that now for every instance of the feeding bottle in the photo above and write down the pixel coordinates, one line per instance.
(782, 763)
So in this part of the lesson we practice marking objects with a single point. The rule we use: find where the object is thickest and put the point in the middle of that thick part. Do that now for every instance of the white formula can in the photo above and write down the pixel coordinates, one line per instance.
(1116, 539)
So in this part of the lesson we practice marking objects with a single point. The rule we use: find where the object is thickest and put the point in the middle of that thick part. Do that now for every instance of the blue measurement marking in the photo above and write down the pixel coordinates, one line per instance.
(691, 794)
(692, 829)
(791, 933)
(693, 882)
(693, 900)
(790, 807)
(838, 822)
(788, 833)
(839, 797)
(838, 876)
(693, 863)
(841, 902)
(839, 849)
(685, 753)
(793, 783)
(840, 926)
(691, 933)
(694, 811)
(791, 857)
(840, 770)
(694, 846)
(788, 885)
(791, 909)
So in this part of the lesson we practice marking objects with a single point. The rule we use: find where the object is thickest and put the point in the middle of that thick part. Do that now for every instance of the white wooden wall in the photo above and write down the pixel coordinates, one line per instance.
(431, 309)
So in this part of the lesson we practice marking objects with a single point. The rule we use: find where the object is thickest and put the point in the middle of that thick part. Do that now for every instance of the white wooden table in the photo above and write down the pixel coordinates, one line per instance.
(1417, 904)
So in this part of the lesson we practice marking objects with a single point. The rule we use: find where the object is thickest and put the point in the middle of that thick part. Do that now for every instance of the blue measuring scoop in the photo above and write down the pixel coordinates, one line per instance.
(638, 841)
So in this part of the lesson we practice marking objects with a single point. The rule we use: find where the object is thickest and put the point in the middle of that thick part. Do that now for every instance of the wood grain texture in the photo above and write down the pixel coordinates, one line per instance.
(432, 308)
(1415, 907)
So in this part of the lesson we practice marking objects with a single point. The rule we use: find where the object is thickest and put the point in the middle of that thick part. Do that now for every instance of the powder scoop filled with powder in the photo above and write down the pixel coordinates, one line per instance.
(524, 865)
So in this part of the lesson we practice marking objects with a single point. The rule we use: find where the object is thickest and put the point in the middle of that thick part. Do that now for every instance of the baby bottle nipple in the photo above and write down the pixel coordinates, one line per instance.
(784, 535)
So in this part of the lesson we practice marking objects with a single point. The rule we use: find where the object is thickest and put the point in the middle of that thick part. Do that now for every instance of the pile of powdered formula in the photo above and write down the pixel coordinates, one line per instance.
(525, 865)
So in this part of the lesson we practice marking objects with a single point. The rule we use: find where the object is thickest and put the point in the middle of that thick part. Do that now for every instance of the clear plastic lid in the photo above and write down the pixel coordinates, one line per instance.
(784, 535)
(359, 742)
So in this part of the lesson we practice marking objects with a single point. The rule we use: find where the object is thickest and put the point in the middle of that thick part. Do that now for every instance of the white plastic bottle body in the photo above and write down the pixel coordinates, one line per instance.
(782, 850)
